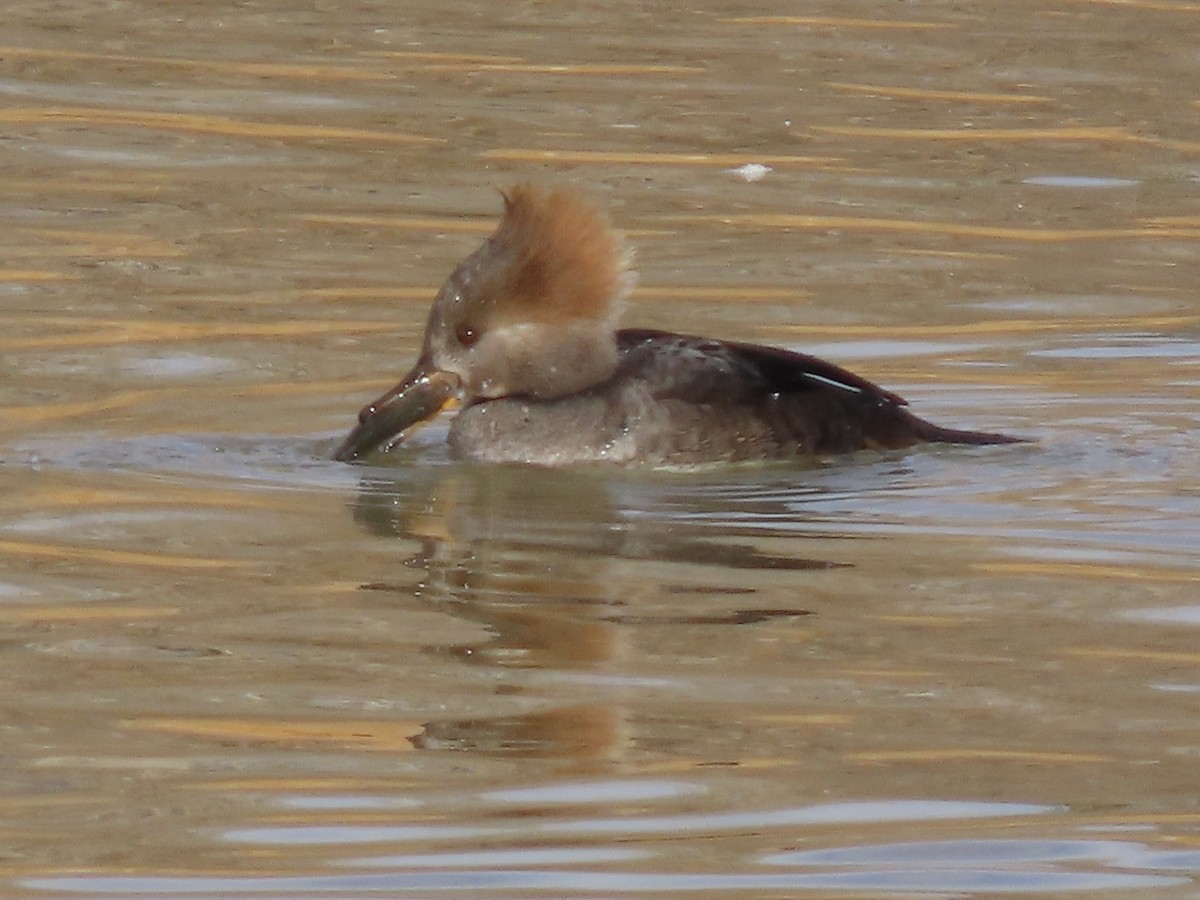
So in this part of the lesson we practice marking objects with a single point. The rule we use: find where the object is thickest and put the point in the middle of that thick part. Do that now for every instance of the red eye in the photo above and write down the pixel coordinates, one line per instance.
(466, 335)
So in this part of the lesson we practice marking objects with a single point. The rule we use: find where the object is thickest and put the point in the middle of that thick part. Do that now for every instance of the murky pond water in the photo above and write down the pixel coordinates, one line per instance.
(232, 667)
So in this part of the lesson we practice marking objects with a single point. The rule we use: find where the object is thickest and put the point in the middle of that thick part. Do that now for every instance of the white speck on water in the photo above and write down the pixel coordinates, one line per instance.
(751, 171)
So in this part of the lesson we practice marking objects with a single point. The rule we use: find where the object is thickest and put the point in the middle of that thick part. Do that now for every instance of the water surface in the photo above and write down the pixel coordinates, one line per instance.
(233, 667)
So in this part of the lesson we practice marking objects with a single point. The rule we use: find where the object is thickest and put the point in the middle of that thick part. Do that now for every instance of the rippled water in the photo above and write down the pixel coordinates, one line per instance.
(232, 667)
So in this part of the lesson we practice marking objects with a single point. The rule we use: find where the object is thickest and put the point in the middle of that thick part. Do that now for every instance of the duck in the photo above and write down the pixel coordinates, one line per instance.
(522, 340)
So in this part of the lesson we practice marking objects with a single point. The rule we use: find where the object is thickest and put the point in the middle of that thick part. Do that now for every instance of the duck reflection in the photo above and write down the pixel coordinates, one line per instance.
(565, 569)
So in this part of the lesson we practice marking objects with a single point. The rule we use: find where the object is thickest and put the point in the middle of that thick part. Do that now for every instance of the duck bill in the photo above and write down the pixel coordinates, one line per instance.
(423, 393)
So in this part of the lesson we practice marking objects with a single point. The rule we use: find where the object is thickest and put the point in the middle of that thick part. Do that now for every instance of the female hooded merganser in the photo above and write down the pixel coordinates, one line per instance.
(523, 336)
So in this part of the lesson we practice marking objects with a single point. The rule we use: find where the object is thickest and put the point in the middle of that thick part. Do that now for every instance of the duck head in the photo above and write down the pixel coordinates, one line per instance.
(530, 313)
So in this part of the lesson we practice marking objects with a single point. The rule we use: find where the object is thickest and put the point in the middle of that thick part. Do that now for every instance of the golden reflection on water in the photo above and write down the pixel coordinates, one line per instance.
(224, 66)
(1156, 228)
(20, 276)
(390, 737)
(202, 124)
(79, 243)
(587, 69)
(946, 755)
(1102, 135)
(899, 92)
(127, 558)
(48, 412)
(609, 157)
(1093, 570)
(142, 332)
(837, 22)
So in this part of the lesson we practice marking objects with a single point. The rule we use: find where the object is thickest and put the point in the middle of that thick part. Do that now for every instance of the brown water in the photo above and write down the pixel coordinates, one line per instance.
(231, 667)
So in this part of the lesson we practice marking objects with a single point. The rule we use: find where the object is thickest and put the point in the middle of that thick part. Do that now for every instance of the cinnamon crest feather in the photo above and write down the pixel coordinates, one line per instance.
(555, 258)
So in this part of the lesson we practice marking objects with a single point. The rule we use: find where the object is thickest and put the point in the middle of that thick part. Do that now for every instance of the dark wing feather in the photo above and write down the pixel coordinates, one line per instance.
(811, 405)
(754, 368)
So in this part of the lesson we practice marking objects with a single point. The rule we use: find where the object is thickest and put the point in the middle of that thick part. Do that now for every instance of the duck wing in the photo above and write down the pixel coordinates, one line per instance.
(810, 404)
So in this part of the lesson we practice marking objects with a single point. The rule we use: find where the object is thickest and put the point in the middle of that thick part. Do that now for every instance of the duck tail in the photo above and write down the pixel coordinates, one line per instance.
(936, 434)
